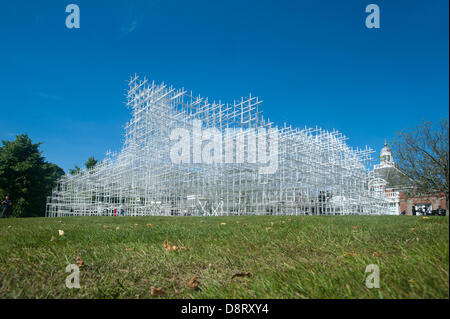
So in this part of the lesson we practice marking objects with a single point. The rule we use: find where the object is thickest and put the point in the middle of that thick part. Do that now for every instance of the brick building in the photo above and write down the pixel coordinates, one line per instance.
(397, 187)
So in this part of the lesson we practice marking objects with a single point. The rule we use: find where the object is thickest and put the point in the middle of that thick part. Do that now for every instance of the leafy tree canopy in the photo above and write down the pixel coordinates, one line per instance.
(90, 163)
(25, 176)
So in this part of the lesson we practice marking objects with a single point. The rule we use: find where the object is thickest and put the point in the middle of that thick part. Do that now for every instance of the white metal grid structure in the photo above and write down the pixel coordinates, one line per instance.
(316, 171)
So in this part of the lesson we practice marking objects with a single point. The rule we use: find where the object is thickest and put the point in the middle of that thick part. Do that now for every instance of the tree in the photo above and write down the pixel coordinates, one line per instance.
(90, 163)
(422, 155)
(25, 176)
(74, 171)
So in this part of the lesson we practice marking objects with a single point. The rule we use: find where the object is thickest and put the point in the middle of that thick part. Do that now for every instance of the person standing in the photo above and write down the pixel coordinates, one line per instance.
(6, 204)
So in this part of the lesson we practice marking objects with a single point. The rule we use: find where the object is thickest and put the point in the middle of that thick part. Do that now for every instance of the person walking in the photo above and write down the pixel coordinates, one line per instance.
(6, 204)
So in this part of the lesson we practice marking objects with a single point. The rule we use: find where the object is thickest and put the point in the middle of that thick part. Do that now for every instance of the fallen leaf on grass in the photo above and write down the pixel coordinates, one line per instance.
(350, 253)
(149, 225)
(193, 283)
(413, 229)
(300, 295)
(53, 238)
(268, 228)
(169, 247)
(377, 254)
(241, 274)
(129, 249)
(156, 291)
(355, 227)
(80, 262)
(244, 225)
(425, 217)
(223, 223)
(104, 226)
(117, 228)
(61, 232)
(9, 226)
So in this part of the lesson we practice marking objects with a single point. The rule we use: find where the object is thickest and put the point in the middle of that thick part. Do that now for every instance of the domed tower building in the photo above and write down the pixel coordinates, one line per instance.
(386, 158)
(385, 178)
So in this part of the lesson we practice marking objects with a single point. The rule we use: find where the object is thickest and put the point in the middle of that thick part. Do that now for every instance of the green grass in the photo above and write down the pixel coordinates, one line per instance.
(298, 257)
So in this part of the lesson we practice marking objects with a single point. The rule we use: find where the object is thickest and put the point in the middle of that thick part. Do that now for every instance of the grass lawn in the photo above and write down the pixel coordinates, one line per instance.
(285, 256)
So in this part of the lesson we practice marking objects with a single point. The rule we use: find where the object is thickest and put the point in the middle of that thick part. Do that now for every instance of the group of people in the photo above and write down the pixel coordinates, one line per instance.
(421, 210)
(121, 211)
(424, 211)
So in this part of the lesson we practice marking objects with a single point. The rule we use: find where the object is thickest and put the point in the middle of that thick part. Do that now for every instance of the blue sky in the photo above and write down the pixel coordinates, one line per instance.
(312, 62)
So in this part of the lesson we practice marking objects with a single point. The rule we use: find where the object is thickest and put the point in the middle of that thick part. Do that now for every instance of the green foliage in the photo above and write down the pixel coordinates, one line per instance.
(25, 176)
(90, 163)
(73, 171)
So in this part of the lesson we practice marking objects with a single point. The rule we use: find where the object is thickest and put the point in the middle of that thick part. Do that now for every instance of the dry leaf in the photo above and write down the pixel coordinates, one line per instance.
(117, 228)
(350, 253)
(268, 228)
(80, 262)
(9, 226)
(377, 254)
(413, 229)
(148, 225)
(223, 223)
(241, 274)
(425, 217)
(53, 238)
(193, 283)
(156, 291)
(129, 249)
(61, 232)
(104, 226)
(169, 247)
(244, 225)
(355, 227)
(300, 295)
(271, 224)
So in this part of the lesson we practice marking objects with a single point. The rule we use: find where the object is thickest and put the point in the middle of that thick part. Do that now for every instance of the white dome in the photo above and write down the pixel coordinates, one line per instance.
(386, 155)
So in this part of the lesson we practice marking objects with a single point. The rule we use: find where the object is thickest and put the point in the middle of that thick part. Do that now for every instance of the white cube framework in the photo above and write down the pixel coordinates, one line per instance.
(313, 170)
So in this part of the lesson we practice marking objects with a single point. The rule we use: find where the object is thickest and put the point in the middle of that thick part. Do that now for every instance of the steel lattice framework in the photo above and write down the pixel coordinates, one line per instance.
(317, 172)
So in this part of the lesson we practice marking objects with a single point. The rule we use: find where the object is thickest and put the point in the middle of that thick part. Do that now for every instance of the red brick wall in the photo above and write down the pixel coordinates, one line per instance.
(406, 203)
